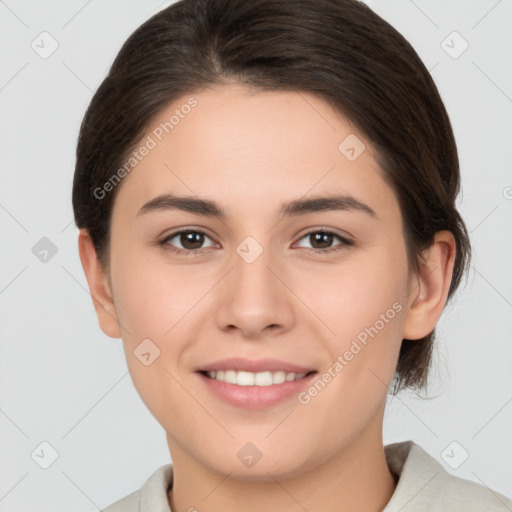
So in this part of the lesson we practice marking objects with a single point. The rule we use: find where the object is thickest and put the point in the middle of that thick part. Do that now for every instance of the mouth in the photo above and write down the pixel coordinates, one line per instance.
(255, 385)
(263, 379)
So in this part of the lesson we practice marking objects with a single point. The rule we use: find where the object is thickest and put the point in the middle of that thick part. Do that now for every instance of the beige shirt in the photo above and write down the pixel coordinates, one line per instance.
(423, 486)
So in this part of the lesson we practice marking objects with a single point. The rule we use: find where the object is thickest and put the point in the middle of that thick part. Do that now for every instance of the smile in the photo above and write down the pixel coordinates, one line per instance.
(243, 378)
(255, 390)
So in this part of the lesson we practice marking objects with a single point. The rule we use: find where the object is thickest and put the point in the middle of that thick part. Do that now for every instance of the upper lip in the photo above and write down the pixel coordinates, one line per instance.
(255, 366)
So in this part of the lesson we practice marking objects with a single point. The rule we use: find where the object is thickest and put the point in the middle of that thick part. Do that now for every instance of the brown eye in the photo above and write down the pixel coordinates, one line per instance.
(191, 241)
(321, 241)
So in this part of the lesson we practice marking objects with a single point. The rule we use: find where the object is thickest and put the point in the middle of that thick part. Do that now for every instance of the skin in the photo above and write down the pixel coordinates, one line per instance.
(250, 151)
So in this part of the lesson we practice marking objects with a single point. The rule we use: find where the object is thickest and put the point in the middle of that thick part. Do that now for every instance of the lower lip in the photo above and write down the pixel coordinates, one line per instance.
(255, 397)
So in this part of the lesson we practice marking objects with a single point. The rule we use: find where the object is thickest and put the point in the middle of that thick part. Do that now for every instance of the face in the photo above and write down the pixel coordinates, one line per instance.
(321, 290)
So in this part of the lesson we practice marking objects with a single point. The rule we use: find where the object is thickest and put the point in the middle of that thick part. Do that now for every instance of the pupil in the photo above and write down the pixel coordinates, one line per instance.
(327, 238)
(187, 240)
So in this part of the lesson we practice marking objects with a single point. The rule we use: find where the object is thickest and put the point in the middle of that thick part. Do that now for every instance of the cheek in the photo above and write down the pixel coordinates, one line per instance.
(154, 300)
(156, 313)
(353, 294)
(361, 305)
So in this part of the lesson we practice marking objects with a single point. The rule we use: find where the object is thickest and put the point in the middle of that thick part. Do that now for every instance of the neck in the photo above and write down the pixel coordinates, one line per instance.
(356, 479)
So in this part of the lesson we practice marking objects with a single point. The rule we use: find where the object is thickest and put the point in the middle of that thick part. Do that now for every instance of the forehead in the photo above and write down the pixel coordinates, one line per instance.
(246, 147)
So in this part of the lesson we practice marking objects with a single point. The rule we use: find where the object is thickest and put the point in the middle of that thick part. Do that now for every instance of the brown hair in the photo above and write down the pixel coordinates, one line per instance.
(339, 50)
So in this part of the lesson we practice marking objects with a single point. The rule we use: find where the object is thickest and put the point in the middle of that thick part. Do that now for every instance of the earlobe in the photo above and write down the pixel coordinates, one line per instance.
(98, 286)
(429, 291)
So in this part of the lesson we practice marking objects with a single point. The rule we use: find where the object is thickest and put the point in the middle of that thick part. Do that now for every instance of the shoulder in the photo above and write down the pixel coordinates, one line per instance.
(129, 503)
(152, 496)
(424, 485)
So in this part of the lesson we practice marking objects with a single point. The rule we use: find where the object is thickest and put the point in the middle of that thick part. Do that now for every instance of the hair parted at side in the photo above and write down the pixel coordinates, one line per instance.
(339, 50)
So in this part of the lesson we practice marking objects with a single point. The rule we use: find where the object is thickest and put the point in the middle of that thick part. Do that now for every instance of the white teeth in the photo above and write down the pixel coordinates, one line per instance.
(245, 378)
(263, 379)
(278, 377)
(254, 379)
(230, 376)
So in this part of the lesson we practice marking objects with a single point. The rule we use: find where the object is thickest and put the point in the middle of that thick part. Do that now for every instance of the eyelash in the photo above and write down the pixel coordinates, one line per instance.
(197, 252)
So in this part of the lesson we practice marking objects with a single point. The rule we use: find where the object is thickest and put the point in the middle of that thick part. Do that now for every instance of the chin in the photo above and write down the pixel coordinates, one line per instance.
(270, 470)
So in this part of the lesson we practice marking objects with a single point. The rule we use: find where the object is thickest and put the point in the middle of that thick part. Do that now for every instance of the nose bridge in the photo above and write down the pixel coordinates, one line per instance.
(253, 298)
(251, 266)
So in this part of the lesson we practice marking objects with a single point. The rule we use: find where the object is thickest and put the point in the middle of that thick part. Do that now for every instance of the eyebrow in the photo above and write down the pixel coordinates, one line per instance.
(293, 208)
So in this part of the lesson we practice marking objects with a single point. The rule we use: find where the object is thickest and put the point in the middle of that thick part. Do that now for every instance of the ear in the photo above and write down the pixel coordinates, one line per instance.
(429, 290)
(98, 285)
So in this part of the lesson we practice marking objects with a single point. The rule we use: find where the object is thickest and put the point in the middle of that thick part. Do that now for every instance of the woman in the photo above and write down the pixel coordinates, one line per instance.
(266, 197)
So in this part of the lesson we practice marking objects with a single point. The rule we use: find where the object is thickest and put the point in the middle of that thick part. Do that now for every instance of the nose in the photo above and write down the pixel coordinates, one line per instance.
(254, 298)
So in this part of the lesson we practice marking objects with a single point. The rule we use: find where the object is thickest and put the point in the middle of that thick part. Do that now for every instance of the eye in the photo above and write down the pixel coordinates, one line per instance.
(191, 241)
(324, 239)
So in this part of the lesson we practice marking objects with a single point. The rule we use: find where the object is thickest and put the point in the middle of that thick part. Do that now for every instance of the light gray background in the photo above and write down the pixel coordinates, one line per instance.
(64, 382)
